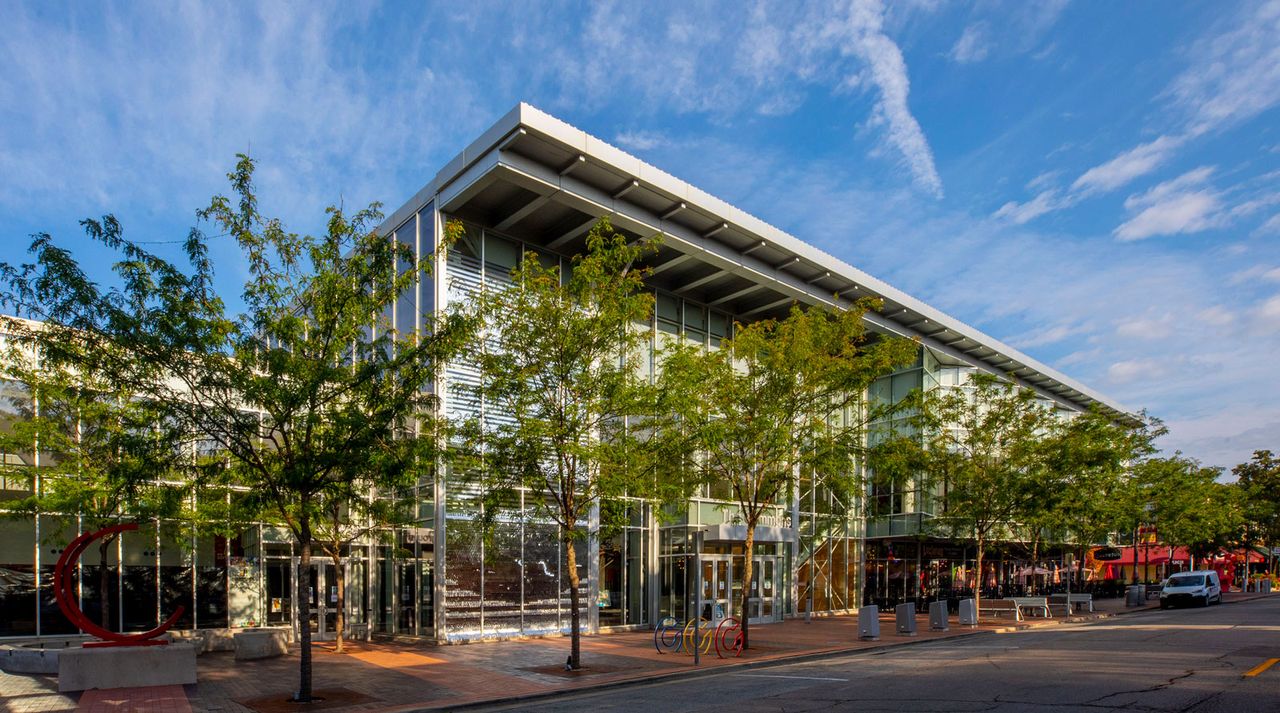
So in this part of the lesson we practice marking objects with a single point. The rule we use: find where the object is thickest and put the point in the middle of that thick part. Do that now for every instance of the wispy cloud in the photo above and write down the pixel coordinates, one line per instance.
(1232, 76)
(888, 73)
(640, 140)
(1119, 171)
(972, 45)
(1185, 204)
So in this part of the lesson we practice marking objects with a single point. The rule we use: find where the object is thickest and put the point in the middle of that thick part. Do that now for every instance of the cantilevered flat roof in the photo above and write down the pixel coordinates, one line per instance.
(546, 182)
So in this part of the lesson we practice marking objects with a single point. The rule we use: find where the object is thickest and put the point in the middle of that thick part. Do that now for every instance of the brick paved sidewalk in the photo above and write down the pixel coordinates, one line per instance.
(402, 676)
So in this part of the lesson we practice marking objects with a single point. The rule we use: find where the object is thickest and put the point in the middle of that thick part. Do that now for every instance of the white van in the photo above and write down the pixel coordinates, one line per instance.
(1200, 587)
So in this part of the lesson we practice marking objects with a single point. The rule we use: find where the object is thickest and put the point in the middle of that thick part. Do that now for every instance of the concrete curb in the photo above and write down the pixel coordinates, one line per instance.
(694, 673)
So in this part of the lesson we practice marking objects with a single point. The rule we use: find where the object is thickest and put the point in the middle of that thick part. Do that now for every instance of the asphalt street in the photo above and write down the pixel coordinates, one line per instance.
(1193, 660)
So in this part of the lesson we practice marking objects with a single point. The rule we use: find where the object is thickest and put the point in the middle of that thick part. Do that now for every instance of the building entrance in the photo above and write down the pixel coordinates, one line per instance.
(722, 588)
(321, 608)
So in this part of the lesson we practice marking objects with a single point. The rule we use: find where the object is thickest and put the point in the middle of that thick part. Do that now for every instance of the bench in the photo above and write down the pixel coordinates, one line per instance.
(1078, 601)
(1000, 606)
(1034, 603)
(1153, 590)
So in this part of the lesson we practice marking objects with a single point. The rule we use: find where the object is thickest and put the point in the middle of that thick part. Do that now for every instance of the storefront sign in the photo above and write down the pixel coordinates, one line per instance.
(1107, 554)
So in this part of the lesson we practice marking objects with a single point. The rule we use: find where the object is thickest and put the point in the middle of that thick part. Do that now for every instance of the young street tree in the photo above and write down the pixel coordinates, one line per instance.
(1258, 487)
(1186, 503)
(1090, 461)
(983, 446)
(778, 399)
(558, 387)
(105, 455)
(293, 388)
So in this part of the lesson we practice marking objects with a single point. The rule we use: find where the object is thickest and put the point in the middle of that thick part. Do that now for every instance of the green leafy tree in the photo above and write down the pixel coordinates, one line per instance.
(982, 449)
(1258, 487)
(1089, 463)
(1186, 503)
(308, 376)
(779, 398)
(105, 455)
(553, 366)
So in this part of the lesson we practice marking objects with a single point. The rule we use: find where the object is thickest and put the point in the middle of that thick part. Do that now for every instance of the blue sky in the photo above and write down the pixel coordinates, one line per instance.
(1096, 183)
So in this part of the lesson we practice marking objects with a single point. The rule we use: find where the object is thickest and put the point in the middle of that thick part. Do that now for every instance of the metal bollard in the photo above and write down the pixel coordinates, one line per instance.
(906, 616)
(938, 616)
(869, 623)
(968, 612)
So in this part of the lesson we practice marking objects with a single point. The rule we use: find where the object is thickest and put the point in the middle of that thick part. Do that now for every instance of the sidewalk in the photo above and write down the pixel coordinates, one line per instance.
(399, 676)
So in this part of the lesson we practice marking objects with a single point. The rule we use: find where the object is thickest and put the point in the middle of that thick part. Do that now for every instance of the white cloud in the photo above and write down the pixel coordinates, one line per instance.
(1270, 309)
(1146, 327)
(888, 73)
(1270, 227)
(1216, 316)
(972, 45)
(1019, 213)
(1235, 75)
(1129, 370)
(1182, 205)
(1047, 335)
(640, 140)
(1131, 164)
(1254, 273)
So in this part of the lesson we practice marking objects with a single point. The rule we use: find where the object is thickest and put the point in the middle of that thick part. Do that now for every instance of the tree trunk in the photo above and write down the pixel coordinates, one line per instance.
(304, 614)
(104, 583)
(340, 620)
(977, 583)
(1035, 550)
(748, 573)
(575, 616)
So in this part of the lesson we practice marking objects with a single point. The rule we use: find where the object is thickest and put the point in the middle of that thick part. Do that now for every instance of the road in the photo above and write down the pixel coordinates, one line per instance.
(1192, 660)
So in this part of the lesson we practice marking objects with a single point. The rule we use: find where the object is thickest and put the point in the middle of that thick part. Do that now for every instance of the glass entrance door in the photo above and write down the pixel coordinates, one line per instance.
(763, 606)
(716, 579)
(722, 589)
(321, 608)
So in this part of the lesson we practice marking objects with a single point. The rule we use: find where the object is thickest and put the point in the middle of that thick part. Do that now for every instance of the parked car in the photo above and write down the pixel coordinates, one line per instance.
(1201, 587)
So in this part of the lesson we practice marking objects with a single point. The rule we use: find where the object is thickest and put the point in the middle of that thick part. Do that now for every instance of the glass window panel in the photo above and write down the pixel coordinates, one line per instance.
(542, 601)
(17, 578)
(502, 575)
(668, 308)
(138, 581)
(719, 324)
(695, 317)
(903, 384)
(500, 254)
(406, 309)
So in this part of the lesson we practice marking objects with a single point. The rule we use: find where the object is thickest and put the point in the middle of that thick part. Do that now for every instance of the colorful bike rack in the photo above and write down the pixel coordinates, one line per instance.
(725, 637)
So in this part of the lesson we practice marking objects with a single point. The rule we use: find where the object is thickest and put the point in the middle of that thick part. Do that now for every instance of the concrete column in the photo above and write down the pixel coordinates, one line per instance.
(439, 284)
(593, 568)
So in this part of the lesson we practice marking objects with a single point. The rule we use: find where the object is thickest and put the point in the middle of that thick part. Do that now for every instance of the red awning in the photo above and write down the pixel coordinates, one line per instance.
(1160, 554)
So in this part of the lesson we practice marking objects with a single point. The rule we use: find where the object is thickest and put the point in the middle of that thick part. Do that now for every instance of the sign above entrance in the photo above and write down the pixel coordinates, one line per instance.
(1107, 554)
(738, 533)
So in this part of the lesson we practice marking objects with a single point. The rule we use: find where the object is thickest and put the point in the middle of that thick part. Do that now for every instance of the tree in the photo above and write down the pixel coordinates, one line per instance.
(779, 398)
(105, 455)
(1187, 503)
(558, 388)
(307, 377)
(1090, 461)
(1258, 486)
(982, 448)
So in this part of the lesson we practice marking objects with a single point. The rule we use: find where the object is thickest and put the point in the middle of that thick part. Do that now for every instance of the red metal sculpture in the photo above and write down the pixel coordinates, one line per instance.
(65, 594)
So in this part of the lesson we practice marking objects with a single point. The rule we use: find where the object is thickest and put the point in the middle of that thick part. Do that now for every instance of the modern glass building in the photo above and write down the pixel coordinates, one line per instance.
(534, 183)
